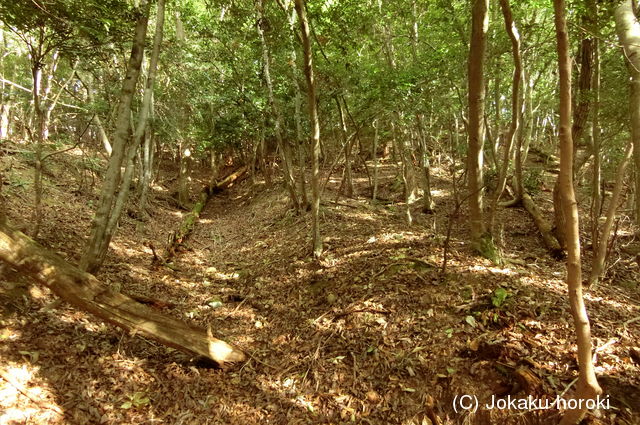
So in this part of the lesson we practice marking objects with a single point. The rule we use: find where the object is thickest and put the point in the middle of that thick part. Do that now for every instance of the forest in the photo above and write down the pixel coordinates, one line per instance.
(319, 212)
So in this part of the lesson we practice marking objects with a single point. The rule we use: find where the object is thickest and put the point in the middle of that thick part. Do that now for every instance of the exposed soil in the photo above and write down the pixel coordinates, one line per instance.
(372, 333)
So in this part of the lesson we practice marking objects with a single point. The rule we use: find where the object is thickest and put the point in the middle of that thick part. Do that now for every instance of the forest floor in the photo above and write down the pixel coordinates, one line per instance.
(373, 333)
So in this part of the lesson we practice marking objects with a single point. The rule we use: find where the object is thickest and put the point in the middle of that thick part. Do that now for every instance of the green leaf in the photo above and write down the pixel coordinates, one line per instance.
(470, 320)
(499, 296)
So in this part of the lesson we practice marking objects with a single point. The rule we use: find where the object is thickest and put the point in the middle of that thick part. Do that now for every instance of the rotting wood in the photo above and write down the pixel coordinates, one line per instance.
(86, 292)
(189, 221)
(543, 226)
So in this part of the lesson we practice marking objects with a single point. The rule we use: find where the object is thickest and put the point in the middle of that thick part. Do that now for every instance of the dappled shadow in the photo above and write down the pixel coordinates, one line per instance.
(367, 334)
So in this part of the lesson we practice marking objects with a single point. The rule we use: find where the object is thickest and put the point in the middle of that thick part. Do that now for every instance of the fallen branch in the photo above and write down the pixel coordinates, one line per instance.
(544, 227)
(84, 291)
(189, 221)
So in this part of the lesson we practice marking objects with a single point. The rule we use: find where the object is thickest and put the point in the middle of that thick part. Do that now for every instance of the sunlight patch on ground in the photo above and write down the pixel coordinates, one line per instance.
(401, 236)
(213, 273)
(12, 402)
(126, 251)
(615, 305)
(9, 334)
(498, 270)
(440, 193)
(359, 216)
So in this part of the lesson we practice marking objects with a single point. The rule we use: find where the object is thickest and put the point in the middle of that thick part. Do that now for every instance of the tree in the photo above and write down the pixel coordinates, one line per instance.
(587, 386)
(101, 231)
(628, 29)
(283, 146)
(476, 94)
(315, 127)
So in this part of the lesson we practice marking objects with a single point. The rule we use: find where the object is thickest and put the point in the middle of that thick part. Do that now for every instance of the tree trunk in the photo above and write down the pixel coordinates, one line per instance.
(36, 72)
(141, 137)
(6, 90)
(183, 177)
(596, 193)
(584, 97)
(427, 201)
(283, 146)
(600, 249)
(479, 27)
(104, 138)
(84, 291)
(94, 254)
(301, 142)
(374, 154)
(348, 178)
(139, 133)
(544, 227)
(628, 29)
(516, 109)
(587, 386)
(315, 128)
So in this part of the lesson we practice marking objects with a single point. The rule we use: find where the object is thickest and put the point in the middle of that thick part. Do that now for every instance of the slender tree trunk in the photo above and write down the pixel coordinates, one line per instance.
(141, 135)
(301, 142)
(596, 193)
(427, 201)
(36, 72)
(289, 179)
(348, 178)
(183, 176)
(93, 256)
(315, 127)
(628, 29)
(374, 154)
(479, 27)
(587, 386)
(600, 250)
(104, 138)
(6, 90)
(516, 109)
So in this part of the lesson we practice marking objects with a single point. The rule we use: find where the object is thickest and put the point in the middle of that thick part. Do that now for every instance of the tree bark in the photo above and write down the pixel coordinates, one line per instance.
(95, 253)
(287, 168)
(600, 249)
(544, 227)
(427, 200)
(587, 386)
(315, 128)
(301, 142)
(84, 291)
(516, 108)
(628, 29)
(374, 154)
(596, 192)
(479, 27)
(348, 178)
(104, 138)
(141, 136)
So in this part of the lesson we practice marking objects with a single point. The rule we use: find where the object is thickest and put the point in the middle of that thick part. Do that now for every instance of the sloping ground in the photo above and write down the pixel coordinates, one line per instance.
(373, 333)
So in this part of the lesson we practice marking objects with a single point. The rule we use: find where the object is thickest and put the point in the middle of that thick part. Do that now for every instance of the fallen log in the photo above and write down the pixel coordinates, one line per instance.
(85, 291)
(544, 227)
(189, 221)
